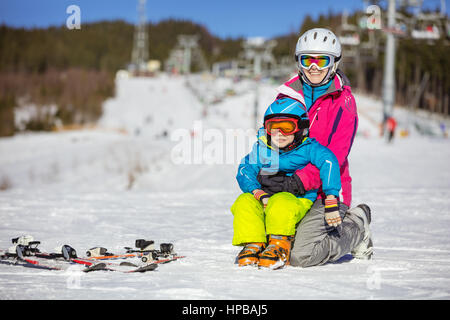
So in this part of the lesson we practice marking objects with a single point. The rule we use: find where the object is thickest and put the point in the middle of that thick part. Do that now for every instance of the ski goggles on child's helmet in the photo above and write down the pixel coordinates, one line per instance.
(306, 61)
(286, 126)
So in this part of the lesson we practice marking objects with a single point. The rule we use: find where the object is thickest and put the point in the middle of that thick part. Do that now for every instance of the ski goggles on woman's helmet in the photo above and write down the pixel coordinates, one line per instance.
(306, 61)
(286, 126)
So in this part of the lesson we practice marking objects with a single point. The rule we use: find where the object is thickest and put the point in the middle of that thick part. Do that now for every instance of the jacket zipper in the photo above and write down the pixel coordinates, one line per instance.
(316, 116)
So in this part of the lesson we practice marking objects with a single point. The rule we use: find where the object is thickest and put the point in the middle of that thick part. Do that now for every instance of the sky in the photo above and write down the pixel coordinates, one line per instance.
(223, 18)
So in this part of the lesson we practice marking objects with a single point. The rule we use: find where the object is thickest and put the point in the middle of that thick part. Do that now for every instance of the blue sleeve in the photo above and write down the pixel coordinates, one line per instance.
(248, 171)
(327, 163)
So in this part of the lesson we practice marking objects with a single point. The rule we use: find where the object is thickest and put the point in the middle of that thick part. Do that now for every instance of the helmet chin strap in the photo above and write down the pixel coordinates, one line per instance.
(325, 79)
(298, 140)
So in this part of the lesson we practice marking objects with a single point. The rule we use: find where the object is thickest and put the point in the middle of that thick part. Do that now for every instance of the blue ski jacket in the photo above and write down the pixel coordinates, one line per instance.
(268, 160)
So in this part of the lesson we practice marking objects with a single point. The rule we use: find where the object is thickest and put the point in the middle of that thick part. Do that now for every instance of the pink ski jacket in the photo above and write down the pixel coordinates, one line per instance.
(334, 122)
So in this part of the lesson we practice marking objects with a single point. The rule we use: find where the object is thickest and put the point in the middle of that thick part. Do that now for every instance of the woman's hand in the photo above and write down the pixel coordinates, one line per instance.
(332, 216)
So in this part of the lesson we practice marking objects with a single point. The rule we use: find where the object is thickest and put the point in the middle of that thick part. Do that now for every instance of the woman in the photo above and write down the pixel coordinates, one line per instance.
(326, 93)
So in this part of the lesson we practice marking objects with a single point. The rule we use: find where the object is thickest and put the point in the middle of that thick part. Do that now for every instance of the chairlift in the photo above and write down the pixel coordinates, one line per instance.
(401, 25)
(348, 34)
(348, 37)
(430, 26)
(426, 27)
(258, 54)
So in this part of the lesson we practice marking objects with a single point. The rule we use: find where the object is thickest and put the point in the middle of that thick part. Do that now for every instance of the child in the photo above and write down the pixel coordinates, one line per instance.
(265, 223)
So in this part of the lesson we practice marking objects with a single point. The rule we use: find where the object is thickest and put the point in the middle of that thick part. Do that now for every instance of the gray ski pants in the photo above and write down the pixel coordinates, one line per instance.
(316, 243)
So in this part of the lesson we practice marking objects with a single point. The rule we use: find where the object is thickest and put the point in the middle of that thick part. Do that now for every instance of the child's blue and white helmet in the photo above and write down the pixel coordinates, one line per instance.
(288, 107)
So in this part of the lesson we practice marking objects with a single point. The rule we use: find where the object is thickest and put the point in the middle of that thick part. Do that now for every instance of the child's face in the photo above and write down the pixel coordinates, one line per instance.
(279, 140)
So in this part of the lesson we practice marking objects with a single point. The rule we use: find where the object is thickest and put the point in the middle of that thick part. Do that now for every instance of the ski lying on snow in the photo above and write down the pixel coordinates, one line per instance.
(25, 253)
(145, 251)
(29, 264)
(40, 261)
(56, 264)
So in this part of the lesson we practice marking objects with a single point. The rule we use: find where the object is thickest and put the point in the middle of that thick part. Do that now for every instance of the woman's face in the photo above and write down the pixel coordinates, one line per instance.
(315, 75)
(279, 140)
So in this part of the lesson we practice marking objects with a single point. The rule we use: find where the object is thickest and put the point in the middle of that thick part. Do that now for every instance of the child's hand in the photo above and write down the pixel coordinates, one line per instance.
(332, 216)
(262, 196)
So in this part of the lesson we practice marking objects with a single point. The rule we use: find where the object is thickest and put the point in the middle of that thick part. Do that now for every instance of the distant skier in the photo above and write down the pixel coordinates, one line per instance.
(443, 129)
(283, 146)
(391, 125)
(326, 93)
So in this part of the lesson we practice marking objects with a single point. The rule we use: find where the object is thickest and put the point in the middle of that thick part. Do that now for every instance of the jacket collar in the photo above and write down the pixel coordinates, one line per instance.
(294, 86)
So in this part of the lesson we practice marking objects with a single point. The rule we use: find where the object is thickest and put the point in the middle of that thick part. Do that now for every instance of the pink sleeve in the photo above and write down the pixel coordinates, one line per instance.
(339, 141)
(310, 177)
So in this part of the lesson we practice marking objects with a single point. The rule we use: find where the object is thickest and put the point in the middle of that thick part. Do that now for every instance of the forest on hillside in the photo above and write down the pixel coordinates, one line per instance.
(74, 70)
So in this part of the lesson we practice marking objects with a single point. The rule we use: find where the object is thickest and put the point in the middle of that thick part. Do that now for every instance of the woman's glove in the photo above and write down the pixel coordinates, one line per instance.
(281, 183)
(262, 196)
(332, 216)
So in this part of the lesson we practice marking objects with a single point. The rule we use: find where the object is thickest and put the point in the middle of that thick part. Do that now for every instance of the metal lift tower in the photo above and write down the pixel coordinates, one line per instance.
(139, 56)
(389, 65)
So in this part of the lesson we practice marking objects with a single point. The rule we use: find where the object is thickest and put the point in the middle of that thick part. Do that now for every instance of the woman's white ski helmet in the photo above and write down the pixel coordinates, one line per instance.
(319, 41)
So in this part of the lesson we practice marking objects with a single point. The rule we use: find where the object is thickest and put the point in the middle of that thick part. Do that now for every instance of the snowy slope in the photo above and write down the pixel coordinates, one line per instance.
(123, 180)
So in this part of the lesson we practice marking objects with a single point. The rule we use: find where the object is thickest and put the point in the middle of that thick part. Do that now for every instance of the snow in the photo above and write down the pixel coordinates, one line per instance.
(161, 165)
